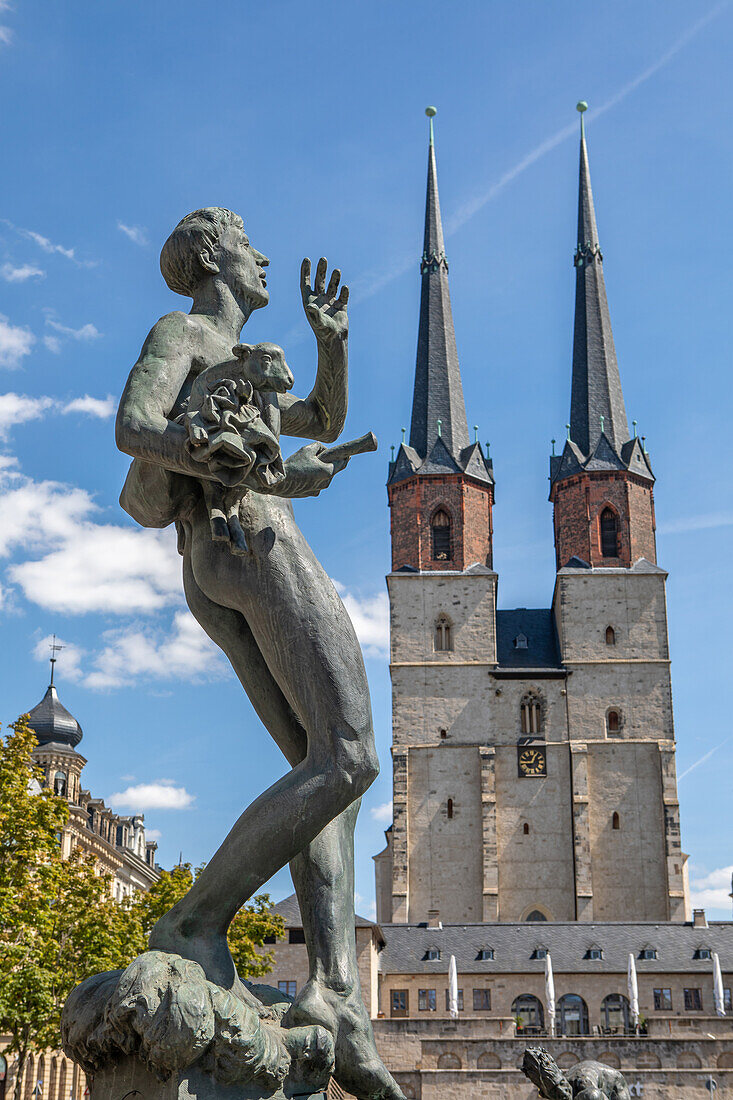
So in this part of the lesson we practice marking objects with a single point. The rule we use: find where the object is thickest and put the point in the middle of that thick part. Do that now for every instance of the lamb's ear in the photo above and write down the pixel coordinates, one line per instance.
(242, 351)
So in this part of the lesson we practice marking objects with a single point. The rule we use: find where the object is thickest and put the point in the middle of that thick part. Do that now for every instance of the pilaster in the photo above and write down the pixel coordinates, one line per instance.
(679, 902)
(581, 832)
(487, 754)
(400, 839)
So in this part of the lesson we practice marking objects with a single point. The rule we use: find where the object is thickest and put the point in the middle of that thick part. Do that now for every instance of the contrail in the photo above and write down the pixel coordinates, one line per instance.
(702, 759)
(472, 206)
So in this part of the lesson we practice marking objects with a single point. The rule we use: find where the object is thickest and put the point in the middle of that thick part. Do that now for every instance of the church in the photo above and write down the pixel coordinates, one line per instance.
(536, 820)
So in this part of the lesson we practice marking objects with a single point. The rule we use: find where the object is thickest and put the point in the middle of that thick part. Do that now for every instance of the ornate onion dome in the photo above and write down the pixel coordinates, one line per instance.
(52, 723)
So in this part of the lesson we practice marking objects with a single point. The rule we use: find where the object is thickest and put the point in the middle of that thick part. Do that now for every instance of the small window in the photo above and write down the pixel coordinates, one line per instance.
(530, 714)
(432, 954)
(520, 642)
(613, 721)
(449, 809)
(426, 1000)
(609, 533)
(289, 988)
(539, 953)
(59, 784)
(610, 636)
(647, 953)
(443, 734)
(693, 1000)
(525, 828)
(120, 836)
(615, 820)
(662, 1000)
(399, 1002)
(482, 1000)
(443, 634)
(459, 999)
(296, 935)
(594, 953)
(485, 953)
(440, 526)
(703, 953)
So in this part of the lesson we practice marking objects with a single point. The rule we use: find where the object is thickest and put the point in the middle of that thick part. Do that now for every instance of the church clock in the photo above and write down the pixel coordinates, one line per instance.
(531, 761)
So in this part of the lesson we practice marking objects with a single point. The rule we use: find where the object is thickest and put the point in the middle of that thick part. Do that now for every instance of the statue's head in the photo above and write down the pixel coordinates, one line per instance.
(209, 244)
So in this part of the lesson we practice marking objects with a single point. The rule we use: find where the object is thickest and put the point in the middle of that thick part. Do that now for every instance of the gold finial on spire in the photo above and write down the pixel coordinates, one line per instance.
(431, 112)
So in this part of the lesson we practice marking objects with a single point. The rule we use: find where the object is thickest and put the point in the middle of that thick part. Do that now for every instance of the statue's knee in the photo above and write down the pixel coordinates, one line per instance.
(356, 766)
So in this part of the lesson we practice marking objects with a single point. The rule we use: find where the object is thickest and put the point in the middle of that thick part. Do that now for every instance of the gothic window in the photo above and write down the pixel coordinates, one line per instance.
(535, 915)
(440, 529)
(525, 829)
(610, 636)
(609, 533)
(60, 782)
(530, 713)
(613, 721)
(615, 820)
(443, 634)
(449, 808)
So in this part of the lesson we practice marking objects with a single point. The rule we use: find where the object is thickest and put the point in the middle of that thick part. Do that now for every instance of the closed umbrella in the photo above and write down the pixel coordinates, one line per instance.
(633, 988)
(550, 993)
(452, 987)
(718, 986)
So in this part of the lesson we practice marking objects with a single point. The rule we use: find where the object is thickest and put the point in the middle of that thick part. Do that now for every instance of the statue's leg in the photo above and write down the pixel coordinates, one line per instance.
(323, 873)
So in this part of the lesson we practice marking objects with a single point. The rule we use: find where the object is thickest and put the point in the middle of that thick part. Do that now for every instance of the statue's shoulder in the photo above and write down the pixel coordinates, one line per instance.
(173, 330)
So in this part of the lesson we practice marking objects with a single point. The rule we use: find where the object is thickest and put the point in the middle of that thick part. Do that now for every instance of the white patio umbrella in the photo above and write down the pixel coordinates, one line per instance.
(718, 994)
(453, 987)
(550, 994)
(633, 987)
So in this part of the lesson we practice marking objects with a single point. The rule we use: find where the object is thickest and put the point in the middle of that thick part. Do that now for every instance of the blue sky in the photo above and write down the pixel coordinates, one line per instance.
(120, 118)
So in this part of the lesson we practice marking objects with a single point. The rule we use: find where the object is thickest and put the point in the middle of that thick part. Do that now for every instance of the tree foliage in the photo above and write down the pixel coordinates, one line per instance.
(58, 920)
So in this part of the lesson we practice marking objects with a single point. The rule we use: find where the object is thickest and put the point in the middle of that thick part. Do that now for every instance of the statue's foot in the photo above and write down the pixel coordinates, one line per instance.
(178, 935)
(359, 1069)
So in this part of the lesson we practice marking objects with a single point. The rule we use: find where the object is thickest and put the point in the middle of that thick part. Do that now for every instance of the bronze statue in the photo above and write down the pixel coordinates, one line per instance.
(587, 1080)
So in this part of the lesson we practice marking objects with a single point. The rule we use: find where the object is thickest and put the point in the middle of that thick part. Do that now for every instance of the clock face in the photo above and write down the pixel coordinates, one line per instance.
(532, 761)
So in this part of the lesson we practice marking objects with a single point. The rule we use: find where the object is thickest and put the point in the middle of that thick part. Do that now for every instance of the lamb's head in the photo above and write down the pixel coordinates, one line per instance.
(264, 366)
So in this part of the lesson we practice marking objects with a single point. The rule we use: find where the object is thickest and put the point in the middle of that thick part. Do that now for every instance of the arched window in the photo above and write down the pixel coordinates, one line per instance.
(610, 636)
(449, 808)
(609, 533)
(449, 1061)
(527, 1010)
(615, 820)
(443, 634)
(573, 1015)
(615, 1012)
(530, 713)
(535, 915)
(443, 734)
(440, 529)
(29, 1077)
(613, 721)
(59, 784)
(525, 829)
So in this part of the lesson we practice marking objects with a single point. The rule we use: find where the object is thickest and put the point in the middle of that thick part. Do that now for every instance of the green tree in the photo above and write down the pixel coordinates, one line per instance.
(253, 925)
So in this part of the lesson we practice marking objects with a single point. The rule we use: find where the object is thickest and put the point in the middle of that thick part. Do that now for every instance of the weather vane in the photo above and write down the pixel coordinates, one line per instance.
(55, 648)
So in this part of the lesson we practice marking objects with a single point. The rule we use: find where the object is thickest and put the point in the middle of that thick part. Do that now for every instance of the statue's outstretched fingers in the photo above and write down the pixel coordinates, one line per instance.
(343, 297)
(319, 283)
(305, 277)
(333, 284)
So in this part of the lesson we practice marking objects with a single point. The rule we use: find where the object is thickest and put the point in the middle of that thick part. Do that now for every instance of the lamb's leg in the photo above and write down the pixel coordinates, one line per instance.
(237, 539)
(214, 495)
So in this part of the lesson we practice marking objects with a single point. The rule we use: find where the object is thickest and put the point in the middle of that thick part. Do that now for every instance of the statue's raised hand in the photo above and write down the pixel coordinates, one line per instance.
(324, 306)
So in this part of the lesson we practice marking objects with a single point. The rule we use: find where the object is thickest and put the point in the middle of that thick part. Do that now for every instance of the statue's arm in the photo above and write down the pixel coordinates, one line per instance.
(322, 414)
(143, 429)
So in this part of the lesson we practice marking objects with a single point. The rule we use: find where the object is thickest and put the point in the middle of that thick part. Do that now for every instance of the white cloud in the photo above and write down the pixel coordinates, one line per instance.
(77, 565)
(370, 616)
(162, 794)
(17, 408)
(153, 834)
(15, 343)
(68, 657)
(706, 522)
(13, 274)
(6, 36)
(103, 407)
(47, 245)
(86, 332)
(382, 813)
(134, 653)
(52, 343)
(136, 233)
(712, 891)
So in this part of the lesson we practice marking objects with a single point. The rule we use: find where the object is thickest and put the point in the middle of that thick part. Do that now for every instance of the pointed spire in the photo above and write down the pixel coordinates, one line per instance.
(438, 392)
(596, 389)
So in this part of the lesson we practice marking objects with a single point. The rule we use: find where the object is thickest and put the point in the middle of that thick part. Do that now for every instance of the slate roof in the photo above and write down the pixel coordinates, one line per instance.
(538, 627)
(53, 724)
(599, 430)
(438, 390)
(568, 943)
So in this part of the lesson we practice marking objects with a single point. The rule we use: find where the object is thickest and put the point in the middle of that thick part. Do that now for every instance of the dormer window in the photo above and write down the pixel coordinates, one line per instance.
(432, 954)
(443, 634)
(520, 642)
(539, 953)
(648, 953)
(594, 953)
(703, 953)
(440, 529)
(485, 954)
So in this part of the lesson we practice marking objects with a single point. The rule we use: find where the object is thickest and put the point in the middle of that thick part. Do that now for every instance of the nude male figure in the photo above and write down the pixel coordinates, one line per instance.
(276, 615)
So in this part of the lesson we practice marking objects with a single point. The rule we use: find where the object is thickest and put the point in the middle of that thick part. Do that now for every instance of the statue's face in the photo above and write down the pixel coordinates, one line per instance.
(242, 266)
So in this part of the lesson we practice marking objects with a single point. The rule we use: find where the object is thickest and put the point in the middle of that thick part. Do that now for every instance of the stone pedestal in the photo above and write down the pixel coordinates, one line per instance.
(160, 1031)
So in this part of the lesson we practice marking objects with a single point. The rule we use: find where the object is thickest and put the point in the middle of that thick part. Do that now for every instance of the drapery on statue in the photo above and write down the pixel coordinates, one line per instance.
(587, 1080)
(202, 416)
